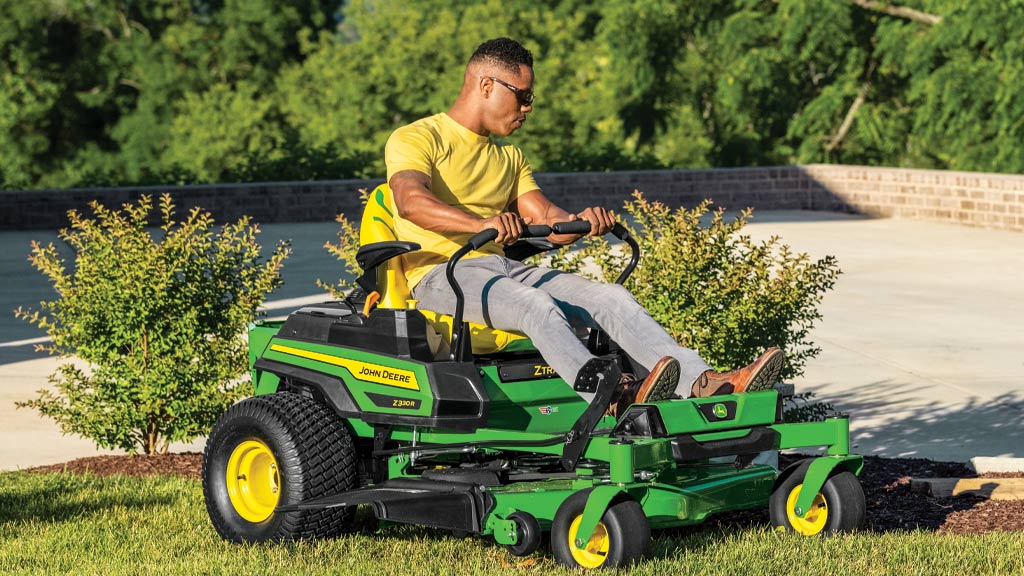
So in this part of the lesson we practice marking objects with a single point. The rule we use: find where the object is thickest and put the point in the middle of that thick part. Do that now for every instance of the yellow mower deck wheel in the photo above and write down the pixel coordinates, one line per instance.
(816, 518)
(596, 550)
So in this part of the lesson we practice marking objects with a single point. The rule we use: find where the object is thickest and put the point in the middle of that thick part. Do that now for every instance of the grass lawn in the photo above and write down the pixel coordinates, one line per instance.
(84, 524)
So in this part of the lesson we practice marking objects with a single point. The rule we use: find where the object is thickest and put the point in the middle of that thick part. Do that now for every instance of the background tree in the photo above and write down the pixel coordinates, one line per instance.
(107, 92)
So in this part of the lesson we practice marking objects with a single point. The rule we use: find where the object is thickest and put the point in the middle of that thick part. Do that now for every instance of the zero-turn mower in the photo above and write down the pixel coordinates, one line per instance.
(369, 400)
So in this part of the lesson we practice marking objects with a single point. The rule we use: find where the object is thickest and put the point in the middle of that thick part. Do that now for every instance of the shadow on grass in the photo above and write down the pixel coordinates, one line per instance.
(55, 498)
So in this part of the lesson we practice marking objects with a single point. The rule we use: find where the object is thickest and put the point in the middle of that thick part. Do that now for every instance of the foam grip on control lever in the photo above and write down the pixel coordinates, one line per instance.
(482, 237)
(536, 231)
(574, 227)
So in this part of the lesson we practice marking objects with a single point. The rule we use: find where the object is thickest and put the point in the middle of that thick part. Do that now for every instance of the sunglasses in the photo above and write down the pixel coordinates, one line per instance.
(525, 97)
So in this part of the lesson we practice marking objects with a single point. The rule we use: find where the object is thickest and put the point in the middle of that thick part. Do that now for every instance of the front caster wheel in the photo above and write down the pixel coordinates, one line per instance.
(622, 536)
(838, 507)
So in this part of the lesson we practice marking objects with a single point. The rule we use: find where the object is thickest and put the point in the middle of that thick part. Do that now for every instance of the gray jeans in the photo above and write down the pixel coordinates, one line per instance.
(548, 305)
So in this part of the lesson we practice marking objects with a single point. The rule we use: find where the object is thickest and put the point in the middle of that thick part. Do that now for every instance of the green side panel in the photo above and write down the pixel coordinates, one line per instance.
(544, 405)
(697, 415)
(368, 395)
(264, 382)
(260, 335)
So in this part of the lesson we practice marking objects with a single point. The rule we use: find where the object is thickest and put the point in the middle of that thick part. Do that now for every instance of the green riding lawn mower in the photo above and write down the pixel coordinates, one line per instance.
(436, 422)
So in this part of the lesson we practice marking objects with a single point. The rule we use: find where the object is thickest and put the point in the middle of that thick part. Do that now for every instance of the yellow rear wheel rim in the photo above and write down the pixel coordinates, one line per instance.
(253, 480)
(816, 518)
(595, 552)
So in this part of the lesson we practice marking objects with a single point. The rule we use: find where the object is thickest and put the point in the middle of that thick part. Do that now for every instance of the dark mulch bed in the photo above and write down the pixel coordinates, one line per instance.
(891, 504)
(189, 465)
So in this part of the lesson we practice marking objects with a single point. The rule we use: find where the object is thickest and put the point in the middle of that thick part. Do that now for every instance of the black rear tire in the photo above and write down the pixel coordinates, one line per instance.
(624, 539)
(840, 506)
(298, 449)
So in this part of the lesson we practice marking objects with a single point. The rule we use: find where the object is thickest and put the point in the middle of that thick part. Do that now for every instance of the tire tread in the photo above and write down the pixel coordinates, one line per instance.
(318, 450)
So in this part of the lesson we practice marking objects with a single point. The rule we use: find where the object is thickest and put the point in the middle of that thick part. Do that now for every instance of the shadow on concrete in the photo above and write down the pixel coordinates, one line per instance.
(13, 354)
(981, 427)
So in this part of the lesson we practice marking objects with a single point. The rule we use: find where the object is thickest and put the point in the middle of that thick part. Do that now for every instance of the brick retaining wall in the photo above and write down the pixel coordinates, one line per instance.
(974, 199)
(970, 198)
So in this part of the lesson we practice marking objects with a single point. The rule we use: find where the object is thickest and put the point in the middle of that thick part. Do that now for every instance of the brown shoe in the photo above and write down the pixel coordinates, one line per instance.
(760, 375)
(660, 384)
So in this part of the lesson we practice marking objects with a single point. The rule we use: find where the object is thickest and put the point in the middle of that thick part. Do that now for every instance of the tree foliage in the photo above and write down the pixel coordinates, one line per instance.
(102, 91)
(157, 315)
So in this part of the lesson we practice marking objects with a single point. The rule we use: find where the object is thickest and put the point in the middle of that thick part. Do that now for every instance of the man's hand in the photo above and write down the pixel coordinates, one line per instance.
(509, 226)
(535, 205)
(601, 220)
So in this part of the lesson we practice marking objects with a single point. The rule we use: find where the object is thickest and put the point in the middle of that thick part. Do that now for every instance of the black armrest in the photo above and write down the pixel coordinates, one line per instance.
(370, 256)
(527, 247)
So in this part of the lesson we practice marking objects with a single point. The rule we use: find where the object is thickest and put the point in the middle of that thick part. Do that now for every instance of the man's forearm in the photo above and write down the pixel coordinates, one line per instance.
(429, 213)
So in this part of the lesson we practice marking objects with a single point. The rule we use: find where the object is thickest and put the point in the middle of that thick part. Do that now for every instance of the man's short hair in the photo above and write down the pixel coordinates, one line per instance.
(505, 53)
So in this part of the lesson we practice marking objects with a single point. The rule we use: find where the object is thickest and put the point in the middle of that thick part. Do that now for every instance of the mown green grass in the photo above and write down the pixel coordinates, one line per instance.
(84, 524)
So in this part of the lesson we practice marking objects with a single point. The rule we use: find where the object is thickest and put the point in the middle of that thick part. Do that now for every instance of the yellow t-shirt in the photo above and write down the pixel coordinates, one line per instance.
(467, 171)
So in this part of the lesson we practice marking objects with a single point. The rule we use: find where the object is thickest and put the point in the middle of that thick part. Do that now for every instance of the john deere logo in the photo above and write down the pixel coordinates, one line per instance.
(720, 411)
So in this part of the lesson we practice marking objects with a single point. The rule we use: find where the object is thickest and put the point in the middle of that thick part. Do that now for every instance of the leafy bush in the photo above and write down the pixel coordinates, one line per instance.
(713, 289)
(159, 317)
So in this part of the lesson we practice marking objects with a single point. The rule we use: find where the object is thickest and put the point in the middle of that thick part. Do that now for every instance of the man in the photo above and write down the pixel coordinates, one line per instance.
(450, 180)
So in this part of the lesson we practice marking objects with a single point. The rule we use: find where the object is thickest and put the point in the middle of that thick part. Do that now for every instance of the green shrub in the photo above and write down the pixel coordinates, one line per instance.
(713, 289)
(159, 318)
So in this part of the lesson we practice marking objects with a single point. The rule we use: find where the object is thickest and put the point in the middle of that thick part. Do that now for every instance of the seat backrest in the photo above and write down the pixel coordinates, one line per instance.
(378, 225)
